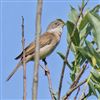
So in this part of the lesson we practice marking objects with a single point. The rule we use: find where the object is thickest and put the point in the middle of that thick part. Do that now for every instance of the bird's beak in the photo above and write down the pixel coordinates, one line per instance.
(63, 23)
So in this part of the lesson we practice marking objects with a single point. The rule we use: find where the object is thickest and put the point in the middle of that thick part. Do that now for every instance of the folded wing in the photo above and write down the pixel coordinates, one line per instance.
(45, 39)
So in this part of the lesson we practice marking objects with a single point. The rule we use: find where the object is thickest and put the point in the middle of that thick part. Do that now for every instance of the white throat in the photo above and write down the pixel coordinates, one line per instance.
(55, 30)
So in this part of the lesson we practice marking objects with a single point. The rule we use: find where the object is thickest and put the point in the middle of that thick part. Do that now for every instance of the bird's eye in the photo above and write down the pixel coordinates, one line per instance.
(57, 24)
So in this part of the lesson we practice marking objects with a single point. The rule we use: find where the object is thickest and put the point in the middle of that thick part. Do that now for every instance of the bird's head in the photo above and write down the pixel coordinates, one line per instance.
(56, 26)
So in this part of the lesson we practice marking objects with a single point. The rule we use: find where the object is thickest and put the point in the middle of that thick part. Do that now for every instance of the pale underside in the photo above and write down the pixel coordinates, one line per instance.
(48, 43)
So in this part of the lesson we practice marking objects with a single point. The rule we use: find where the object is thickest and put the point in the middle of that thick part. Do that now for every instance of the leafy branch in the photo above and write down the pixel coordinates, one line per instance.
(67, 52)
(86, 52)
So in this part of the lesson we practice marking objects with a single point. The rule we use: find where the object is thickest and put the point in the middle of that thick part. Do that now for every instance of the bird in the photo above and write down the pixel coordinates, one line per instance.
(48, 42)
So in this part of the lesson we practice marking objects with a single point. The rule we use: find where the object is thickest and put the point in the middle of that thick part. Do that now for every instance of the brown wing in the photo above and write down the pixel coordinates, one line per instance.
(28, 49)
(45, 39)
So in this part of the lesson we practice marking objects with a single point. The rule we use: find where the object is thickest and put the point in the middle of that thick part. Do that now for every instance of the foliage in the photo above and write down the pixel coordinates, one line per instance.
(85, 46)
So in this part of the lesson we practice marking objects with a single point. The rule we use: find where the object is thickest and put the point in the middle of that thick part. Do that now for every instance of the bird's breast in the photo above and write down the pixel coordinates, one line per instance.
(47, 50)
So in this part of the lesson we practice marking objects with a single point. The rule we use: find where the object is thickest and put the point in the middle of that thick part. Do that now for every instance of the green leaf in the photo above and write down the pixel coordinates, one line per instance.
(93, 79)
(91, 88)
(73, 15)
(89, 47)
(84, 52)
(72, 75)
(83, 22)
(94, 55)
(95, 9)
(95, 22)
(61, 55)
(93, 61)
(83, 3)
(80, 59)
(84, 33)
(96, 75)
(90, 54)
(97, 86)
(75, 38)
(63, 58)
(72, 45)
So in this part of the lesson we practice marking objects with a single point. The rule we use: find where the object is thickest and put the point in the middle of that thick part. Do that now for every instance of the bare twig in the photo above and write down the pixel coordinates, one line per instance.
(24, 62)
(78, 76)
(72, 89)
(77, 93)
(36, 64)
(61, 79)
(47, 73)
(67, 52)
(85, 96)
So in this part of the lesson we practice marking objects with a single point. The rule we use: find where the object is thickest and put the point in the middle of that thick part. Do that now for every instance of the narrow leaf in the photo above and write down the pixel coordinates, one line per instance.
(73, 15)
(61, 55)
(96, 75)
(95, 22)
(75, 38)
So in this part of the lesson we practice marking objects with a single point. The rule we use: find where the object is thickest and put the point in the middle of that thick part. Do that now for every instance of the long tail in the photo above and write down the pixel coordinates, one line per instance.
(15, 69)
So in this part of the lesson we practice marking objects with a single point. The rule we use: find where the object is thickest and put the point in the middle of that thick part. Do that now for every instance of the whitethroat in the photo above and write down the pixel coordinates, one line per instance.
(48, 42)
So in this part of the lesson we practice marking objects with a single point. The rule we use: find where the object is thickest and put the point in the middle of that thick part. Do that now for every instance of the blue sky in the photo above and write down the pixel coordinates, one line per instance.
(10, 26)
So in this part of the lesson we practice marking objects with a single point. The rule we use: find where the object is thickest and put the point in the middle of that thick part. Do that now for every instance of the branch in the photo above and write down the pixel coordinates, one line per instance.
(75, 81)
(47, 73)
(78, 76)
(73, 89)
(77, 93)
(85, 87)
(24, 62)
(36, 63)
(67, 52)
(85, 96)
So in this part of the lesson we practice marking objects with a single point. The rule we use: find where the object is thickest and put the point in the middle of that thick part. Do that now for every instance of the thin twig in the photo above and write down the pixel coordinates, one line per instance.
(85, 96)
(24, 62)
(77, 93)
(36, 63)
(67, 52)
(42, 67)
(72, 89)
(61, 80)
(75, 81)
(85, 87)
(78, 76)
(49, 82)
(47, 73)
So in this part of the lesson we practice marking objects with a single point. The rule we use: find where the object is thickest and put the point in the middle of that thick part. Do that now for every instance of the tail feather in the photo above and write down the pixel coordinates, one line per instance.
(19, 56)
(15, 69)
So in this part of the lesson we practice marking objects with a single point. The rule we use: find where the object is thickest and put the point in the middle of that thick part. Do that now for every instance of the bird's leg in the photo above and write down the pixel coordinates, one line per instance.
(44, 60)
(46, 71)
